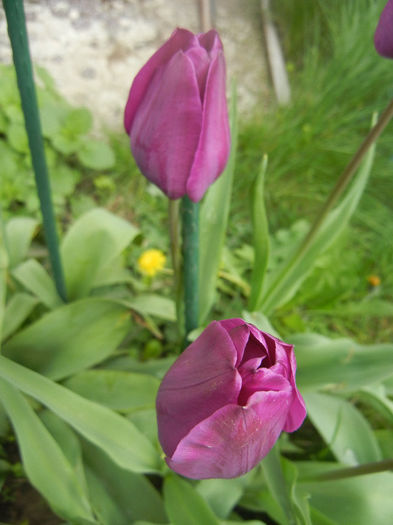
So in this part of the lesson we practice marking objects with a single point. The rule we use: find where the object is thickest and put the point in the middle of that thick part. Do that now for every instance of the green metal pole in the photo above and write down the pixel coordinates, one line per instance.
(24, 72)
(190, 249)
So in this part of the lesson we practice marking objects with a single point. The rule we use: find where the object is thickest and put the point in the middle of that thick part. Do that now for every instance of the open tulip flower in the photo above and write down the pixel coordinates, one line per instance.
(224, 402)
(176, 115)
(383, 37)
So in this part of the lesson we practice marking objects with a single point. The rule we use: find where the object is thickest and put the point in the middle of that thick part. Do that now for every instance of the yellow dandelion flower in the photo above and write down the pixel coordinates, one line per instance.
(374, 280)
(151, 262)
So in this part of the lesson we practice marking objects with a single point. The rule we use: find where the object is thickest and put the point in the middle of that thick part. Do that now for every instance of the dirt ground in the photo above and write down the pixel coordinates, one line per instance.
(94, 48)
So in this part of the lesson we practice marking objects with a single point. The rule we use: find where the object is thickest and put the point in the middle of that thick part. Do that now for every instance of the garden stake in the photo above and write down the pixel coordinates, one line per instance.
(190, 248)
(24, 73)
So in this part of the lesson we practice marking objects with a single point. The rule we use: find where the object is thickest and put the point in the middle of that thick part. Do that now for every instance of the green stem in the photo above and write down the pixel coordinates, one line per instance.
(190, 248)
(24, 73)
(174, 232)
(350, 472)
(337, 191)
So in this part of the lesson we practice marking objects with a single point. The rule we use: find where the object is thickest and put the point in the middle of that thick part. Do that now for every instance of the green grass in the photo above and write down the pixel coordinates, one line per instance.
(337, 82)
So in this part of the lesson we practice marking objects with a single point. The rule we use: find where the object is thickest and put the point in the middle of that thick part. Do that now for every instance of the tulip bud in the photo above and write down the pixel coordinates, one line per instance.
(224, 402)
(176, 115)
(383, 38)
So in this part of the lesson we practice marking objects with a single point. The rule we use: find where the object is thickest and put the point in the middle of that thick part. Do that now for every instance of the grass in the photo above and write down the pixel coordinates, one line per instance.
(337, 81)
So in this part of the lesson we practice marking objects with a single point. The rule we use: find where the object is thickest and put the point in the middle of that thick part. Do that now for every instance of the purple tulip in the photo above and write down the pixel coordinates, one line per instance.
(224, 402)
(176, 115)
(383, 38)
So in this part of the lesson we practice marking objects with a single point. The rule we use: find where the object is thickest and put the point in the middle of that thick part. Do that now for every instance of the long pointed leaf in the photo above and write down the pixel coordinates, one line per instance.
(118, 437)
(289, 278)
(261, 238)
(45, 464)
(213, 223)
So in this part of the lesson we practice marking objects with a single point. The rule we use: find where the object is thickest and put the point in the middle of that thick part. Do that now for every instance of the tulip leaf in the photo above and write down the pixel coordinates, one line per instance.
(118, 437)
(353, 501)
(277, 484)
(213, 222)
(70, 338)
(90, 247)
(340, 364)
(289, 278)
(377, 398)
(184, 504)
(33, 276)
(4, 261)
(18, 308)
(119, 496)
(18, 232)
(223, 494)
(68, 441)
(122, 391)
(151, 304)
(343, 428)
(43, 460)
(261, 238)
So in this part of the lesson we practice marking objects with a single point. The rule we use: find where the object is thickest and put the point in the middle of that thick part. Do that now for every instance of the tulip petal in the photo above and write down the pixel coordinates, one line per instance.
(167, 125)
(180, 39)
(214, 144)
(383, 37)
(211, 42)
(202, 380)
(232, 440)
(201, 62)
(262, 380)
(297, 411)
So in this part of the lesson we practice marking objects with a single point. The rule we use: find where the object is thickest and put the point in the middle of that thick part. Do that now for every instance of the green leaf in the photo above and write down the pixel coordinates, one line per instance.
(339, 364)
(18, 308)
(115, 435)
(63, 142)
(277, 484)
(343, 428)
(19, 231)
(33, 276)
(155, 367)
(67, 441)
(17, 137)
(361, 500)
(119, 497)
(184, 504)
(223, 494)
(45, 464)
(156, 305)
(213, 223)
(376, 397)
(90, 246)
(289, 278)
(71, 338)
(79, 121)
(261, 238)
(96, 155)
(4, 261)
(122, 391)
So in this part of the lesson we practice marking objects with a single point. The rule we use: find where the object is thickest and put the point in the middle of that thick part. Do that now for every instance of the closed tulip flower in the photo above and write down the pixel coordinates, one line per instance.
(383, 37)
(176, 115)
(224, 402)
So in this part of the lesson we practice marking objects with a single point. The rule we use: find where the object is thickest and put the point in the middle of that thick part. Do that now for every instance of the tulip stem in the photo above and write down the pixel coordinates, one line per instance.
(24, 73)
(190, 248)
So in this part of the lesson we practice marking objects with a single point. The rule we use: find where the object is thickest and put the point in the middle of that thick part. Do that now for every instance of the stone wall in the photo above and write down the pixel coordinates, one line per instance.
(94, 48)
